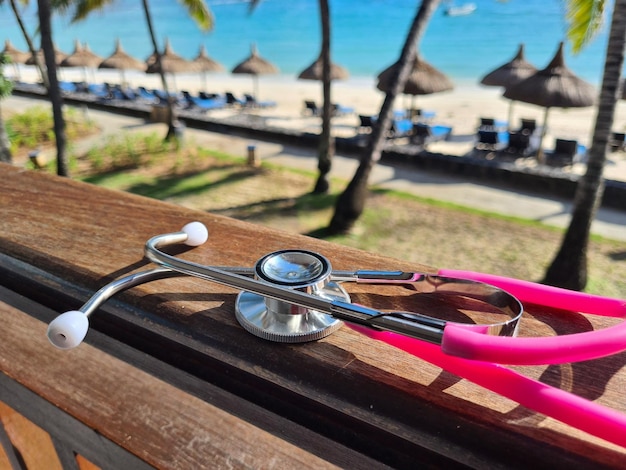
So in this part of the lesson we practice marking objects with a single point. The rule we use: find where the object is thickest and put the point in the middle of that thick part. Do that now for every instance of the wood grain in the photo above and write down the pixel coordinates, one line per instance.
(74, 237)
(158, 422)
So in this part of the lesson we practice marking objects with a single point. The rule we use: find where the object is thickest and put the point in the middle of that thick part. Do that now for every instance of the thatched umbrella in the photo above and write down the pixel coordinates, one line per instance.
(554, 86)
(171, 63)
(424, 79)
(15, 55)
(255, 65)
(58, 57)
(206, 64)
(510, 74)
(81, 57)
(121, 61)
(315, 70)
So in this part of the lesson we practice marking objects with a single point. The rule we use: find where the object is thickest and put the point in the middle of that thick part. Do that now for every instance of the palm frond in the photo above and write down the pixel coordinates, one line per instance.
(199, 11)
(584, 18)
(85, 7)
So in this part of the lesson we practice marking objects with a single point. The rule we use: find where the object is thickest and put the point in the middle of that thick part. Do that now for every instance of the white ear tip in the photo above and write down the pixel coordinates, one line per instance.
(68, 329)
(197, 233)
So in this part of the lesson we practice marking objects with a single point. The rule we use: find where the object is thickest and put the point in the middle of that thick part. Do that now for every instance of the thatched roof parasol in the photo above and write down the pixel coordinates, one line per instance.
(514, 71)
(81, 57)
(121, 61)
(206, 64)
(424, 79)
(58, 57)
(314, 71)
(554, 86)
(255, 65)
(171, 63)
(16, 56)
(510, 74)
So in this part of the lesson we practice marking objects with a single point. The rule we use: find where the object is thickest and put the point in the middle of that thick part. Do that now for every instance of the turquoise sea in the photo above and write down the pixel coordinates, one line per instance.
(367, 35)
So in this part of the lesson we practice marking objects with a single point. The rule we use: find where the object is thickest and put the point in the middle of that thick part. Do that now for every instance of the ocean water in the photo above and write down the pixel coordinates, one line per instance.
(367, 35)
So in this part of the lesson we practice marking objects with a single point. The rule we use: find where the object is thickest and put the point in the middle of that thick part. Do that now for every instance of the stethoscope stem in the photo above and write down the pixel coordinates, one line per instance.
(124, 283)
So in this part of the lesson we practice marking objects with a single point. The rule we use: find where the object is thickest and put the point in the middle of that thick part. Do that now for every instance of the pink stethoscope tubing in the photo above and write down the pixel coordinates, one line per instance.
(459, 340)
(595, 419)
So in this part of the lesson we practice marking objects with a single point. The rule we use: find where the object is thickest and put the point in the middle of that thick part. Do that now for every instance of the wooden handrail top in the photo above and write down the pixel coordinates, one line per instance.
(60, 240)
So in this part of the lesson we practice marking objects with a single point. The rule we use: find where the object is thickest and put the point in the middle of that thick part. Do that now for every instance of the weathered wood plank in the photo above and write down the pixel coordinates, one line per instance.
(33, 443)
(349, 388)
(158, 422)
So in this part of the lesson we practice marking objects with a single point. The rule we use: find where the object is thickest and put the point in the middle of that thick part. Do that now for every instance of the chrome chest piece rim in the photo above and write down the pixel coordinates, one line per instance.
(280, 321)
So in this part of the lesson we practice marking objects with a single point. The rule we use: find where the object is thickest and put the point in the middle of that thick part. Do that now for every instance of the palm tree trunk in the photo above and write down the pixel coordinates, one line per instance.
(171, 131)
(53, 92)
(5, 144)
(31, 47)
(326, 148)
(351, 202)
(569, 267)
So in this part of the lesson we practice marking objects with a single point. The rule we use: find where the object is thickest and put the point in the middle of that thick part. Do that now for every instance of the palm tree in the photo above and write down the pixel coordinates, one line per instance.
(326, 147)
(351, 202)
(569, 267)
(198, 10)
(54, 92)
(29, 41)
(5, 90)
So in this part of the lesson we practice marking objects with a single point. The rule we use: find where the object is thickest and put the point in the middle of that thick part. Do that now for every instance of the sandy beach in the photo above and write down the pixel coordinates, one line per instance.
(460, 108)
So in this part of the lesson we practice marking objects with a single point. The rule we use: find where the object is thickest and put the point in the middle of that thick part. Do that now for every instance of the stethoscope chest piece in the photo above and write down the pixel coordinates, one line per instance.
(279, 321)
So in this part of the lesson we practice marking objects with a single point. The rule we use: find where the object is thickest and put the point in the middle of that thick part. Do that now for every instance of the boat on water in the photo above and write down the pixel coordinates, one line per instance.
(459, 10)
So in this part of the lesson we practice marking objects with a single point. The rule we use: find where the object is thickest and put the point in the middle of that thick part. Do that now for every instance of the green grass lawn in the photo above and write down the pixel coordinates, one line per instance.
(394, 224)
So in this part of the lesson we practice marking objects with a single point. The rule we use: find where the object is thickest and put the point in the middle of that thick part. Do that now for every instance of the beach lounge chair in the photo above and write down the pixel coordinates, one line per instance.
(124, 93)
(616, 141)
(365, 123)
(424, 134)
(232, 100)
(419, 115)
(400, 128)
(311, 108)
(146, 95)
(68, 87)
(97, 89)
(421, 135)
(528, 125)
(488, 140)
(200, 104)
(563, 153)
(339, 110)
(252, 102)
(519, 144)
(207, 96)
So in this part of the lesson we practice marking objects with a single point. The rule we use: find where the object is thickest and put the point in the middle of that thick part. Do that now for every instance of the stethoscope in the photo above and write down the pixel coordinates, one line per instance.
(294, 296)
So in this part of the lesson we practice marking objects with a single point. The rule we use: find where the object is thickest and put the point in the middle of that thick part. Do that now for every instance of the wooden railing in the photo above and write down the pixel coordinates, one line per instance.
(167, 378)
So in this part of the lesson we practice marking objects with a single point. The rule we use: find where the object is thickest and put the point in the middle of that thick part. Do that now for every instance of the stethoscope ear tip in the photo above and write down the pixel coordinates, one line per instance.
(68, 330)
(197, 233)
